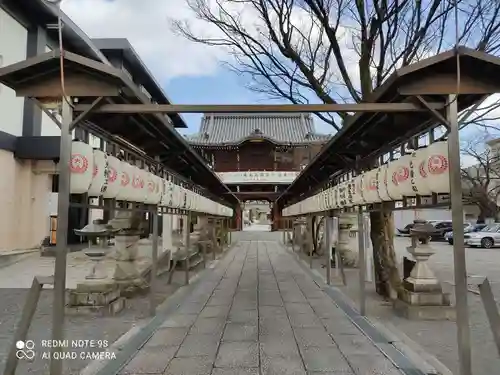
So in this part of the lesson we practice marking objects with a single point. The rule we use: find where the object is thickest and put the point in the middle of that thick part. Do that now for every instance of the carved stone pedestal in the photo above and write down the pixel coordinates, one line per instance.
(96, 297)
(421, 296)
(347, 244)
(126, 274)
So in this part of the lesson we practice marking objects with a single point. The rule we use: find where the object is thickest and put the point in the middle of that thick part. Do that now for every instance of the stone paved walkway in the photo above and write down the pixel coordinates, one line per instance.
(258, 313)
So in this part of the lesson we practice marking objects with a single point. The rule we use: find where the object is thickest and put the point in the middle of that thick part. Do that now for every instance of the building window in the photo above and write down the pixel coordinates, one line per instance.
(55, 183)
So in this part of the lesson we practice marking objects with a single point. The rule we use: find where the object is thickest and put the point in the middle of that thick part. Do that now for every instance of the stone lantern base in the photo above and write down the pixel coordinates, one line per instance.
(126, 275)
(421, 296)
(95, 297)
(442, 311)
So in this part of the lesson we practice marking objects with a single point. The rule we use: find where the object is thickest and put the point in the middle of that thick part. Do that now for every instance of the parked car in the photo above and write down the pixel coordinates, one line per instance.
(487, 238)
(405, 231)
(440, 228)
(468, 228)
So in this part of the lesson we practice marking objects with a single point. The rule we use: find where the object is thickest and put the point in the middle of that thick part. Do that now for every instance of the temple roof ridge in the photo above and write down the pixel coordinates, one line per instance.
(235, 128)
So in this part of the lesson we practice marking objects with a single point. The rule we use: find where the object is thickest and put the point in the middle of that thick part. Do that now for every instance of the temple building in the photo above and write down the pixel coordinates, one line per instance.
(257, 155)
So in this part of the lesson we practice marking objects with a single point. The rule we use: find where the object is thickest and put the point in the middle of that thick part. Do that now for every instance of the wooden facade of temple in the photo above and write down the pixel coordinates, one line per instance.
(257, 155)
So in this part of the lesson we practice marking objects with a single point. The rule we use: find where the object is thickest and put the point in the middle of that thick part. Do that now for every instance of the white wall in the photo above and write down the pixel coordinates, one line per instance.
(13, 44)
(49, 127)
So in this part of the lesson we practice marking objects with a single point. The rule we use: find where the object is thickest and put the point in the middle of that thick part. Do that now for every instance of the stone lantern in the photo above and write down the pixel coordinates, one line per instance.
(347, 245)
(129, 226)
(421, 295)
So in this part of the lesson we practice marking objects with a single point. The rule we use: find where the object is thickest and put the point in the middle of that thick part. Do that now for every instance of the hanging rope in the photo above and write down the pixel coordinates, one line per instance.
(60, 25)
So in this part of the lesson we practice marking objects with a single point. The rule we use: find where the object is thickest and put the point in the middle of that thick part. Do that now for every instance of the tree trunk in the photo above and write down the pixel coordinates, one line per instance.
(387, 279)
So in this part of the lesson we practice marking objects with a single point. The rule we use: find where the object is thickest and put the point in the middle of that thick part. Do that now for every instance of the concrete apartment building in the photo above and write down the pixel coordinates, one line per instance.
(29, 139)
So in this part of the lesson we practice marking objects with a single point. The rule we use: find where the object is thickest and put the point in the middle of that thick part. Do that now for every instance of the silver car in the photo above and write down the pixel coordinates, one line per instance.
(487, 238)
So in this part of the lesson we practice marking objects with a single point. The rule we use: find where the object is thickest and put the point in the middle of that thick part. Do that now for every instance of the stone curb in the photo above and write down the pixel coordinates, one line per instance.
(132, 340)
(391, 341)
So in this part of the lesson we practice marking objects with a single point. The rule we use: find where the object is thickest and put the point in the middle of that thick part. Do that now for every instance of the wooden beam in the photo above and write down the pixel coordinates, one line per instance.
(445, 84)
(75, 84)
(442, 119)
(258, 108)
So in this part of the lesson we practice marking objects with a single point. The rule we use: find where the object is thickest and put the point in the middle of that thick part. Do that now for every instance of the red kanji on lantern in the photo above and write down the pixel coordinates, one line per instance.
(112, 174)
(373, 184)
(437, 164)
(125, 179)
(421, 169)
(401, 175)
(136, 182)
(79, 163)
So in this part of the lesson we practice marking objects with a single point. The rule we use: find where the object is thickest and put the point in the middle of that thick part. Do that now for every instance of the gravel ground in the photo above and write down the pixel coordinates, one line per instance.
(76, 328)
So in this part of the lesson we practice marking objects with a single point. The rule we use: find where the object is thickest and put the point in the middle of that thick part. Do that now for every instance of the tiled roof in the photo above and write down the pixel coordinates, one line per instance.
(293, 128)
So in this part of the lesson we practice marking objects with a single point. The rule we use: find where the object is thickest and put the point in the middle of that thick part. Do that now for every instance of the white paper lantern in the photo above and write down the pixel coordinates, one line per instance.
(155, 189)
(333, 197)
(150, 187)
(183, 198)
(370, 187)
(392, 189)
(403, 176)
(138, 185)
(438, 167)
(114, 181)
(99, 174)
(342, 194)
(326, 199)
(350, 192)
(419, 172)
(358, 198)
(398, 177)
(169, 195)
(81, 167)
(126, 192)
(163, 189)
(188, 199)
(175, 196)
(382, 181)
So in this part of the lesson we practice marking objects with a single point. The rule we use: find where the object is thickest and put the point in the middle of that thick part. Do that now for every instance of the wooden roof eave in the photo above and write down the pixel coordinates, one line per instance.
(398, 88)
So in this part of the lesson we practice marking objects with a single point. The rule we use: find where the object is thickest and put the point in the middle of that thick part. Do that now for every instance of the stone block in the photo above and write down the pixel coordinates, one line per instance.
(240, 332)
(104, 298)
(424, 299)
(112, 308)
(96, 286)
(199, 345)
(238, 354)
(417, 286)
(416, 312)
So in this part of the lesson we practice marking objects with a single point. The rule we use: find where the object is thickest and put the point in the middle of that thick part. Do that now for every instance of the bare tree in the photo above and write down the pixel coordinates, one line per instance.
(482, 179)
(334, 51)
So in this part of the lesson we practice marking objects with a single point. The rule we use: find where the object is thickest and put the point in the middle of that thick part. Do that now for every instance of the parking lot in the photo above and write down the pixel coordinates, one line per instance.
(480, 262)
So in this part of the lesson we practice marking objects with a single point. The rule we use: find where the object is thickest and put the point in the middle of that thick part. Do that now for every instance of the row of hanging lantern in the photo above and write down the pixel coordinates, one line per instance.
(423, 172)
(100, 175)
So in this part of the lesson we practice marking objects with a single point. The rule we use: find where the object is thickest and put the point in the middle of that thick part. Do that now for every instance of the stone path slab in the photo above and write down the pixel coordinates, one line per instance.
(259, 313)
